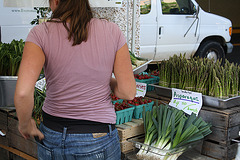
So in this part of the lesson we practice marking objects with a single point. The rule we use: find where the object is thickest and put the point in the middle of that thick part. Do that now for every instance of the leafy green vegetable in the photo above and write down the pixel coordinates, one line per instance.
(136, 61)
(10, 57)
(39, 97)
(169, 131)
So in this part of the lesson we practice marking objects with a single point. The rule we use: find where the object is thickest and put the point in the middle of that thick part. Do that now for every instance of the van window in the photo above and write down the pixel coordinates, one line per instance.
(145, 6)
(177, 6)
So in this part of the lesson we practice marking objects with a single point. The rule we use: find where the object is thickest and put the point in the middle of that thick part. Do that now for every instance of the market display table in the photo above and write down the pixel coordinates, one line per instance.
(218, 145)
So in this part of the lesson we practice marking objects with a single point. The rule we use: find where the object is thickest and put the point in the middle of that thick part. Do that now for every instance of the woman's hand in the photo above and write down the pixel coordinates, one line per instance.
(30, 130)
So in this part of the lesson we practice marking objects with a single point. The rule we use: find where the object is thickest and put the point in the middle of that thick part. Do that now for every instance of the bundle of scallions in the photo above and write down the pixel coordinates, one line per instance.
(169, 132)
(39, 97)
(136, 61)
(201, 75)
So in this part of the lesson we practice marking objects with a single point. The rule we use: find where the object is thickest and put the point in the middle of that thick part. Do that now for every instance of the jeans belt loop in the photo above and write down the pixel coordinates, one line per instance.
(64, 135)
(110, 130)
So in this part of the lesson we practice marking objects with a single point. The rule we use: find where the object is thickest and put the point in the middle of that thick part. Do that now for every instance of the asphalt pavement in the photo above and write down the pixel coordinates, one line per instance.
(235, 55)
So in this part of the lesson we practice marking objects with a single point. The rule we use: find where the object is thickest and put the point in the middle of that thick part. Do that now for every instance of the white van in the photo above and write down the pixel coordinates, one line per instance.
(16, 16)
(169, 27)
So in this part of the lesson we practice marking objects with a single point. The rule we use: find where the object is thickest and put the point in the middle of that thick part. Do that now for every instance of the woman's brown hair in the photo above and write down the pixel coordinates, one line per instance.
(79, 12)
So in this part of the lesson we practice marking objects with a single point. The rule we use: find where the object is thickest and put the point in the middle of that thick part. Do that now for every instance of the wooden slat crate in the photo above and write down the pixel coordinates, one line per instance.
(225, 127)
(223, 136)
(224, 119)
(26, 146)
(17, 141)
(129, 130)
(3, 127)
(212, 149)
(4, 154)
(4, 112)
(3, 120)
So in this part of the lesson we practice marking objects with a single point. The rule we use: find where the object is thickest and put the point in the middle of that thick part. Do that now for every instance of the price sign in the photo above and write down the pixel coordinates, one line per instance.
(141, 89)
(188, 101)
(41, 84)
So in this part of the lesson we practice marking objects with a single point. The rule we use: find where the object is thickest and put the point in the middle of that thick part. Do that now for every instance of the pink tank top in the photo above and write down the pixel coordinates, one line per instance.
(78, 77)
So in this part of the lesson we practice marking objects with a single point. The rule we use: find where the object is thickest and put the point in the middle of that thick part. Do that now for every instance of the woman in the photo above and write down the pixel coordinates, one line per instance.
(79, 54)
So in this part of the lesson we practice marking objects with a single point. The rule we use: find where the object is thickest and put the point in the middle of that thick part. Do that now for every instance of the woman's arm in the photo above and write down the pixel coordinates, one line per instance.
(31, 65)
(124, 86)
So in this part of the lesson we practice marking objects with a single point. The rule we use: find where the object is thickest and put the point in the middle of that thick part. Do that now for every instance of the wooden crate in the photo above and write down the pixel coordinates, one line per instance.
(3, 120)
(26, 146)
(218, 151)
(3, 141)
(224, 119)
(225, 127)
(15, 154)
(129, 130)
(223, 136)
(4, 113)
(16, 140)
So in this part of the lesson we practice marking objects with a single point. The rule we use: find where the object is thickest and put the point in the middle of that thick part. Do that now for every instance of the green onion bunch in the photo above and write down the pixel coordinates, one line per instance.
(201, 75)
(136, 61)
(169, 132)
(39, 97)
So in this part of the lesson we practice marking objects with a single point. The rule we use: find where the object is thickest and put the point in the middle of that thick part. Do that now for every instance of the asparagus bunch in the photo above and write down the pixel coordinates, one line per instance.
(201, 75)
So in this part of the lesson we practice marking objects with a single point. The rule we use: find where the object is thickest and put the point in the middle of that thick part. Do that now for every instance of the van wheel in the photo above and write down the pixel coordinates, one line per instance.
(211, 50)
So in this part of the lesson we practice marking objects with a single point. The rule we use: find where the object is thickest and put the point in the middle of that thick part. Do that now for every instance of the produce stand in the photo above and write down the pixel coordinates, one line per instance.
(217, 145)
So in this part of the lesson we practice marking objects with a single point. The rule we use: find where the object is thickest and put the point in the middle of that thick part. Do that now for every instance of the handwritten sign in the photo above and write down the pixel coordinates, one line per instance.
(188, 101)
(141, 89)
(41, 84)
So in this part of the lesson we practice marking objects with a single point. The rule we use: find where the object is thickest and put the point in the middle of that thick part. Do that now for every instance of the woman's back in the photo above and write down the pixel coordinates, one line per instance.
(78, 77)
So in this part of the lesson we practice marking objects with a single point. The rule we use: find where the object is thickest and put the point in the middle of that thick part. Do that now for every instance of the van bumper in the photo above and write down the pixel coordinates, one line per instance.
(229, 47)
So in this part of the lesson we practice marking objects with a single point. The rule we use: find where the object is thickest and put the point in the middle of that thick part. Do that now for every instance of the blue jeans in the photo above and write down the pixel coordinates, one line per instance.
(63, 146)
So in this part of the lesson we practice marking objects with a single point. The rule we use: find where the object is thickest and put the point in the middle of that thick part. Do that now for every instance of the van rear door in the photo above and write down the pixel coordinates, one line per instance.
(148, 28)
(177, 32)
